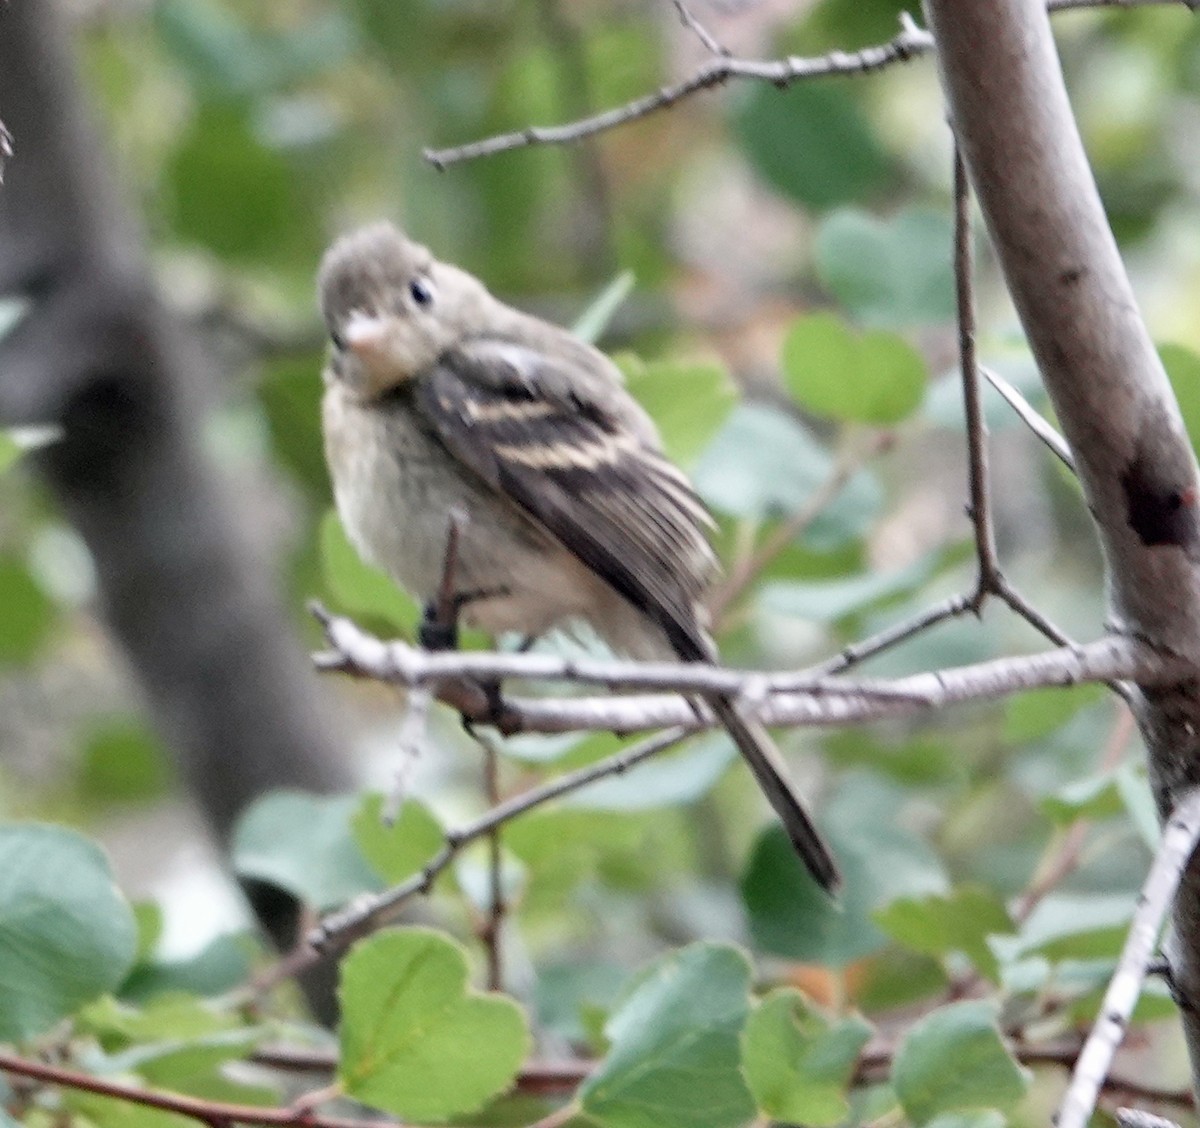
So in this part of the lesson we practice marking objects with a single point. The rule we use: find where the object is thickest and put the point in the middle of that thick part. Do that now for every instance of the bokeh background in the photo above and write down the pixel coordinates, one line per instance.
(762, 262)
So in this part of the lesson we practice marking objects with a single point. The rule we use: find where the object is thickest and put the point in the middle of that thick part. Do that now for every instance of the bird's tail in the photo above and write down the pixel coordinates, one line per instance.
(758, 750)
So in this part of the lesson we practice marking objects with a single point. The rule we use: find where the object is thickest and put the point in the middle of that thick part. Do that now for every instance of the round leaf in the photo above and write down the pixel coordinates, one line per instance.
(399, 850)
(674, 1058)
(358, 588)
(954, 1060)
(891, 272)
(874, 378)
(416, 1041)
(960, 922)
(792, 917)
(66, 933)
(302, 843)
(811, 143)
(798, 1062)
(763, 463)
(688, 400)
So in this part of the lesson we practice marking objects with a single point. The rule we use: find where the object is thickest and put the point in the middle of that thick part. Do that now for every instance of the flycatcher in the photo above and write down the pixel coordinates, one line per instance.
(439, 398)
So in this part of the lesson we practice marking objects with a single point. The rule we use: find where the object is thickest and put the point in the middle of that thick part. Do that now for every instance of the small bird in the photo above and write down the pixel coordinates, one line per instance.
(441, 399)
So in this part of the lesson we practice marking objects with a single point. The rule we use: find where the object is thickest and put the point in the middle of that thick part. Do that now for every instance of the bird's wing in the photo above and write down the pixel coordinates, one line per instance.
(583, 467)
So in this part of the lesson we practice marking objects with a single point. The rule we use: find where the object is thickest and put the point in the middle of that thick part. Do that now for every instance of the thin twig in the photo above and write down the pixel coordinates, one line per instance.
(357, 652)
(491, 932)
(341, 929)
(218, 1114)
(786, 699)
(894, 635)
(1031, 418)
(977, 452)
(910, 42)
(1175, 848)
(701, 32)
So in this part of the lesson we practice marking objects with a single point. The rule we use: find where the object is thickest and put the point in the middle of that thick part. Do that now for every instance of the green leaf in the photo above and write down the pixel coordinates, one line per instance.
(832, 601)
(225, 57)
(174, 1016)
(960, 921)
(28, 613)
(763, 464)
(889, 272)
(231, 193)
(875, 377)
(416, 1041)
(122, 761)
(811, 143)
(358, 588)
(973, 1118)
(222, 964)
(1035, 715)
(913, 761)
(845, 24)
(674, 1057)
(66, 933)
(954, 1060)
(303, 843)
(1077, 926)
(290, 394)
(1097, 797)
(689, 401)
(790, 915)
(798, 1062)
(592, 323)
(665, 781)
(399, 850)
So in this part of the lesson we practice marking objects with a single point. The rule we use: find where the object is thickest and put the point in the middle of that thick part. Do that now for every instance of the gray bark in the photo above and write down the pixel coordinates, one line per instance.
(99, 354)
(1009, 108)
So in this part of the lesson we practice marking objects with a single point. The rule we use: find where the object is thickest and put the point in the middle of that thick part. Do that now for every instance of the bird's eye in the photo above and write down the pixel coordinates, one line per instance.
(420, 291)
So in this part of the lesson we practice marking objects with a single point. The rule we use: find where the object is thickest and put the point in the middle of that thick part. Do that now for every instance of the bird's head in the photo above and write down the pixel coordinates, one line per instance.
(391, 308)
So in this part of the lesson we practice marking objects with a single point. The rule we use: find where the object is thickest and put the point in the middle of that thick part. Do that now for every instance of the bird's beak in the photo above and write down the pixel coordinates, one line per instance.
(366, 336)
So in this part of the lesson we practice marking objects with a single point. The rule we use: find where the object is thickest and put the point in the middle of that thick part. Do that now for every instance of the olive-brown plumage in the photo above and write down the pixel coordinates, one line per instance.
(439, 398)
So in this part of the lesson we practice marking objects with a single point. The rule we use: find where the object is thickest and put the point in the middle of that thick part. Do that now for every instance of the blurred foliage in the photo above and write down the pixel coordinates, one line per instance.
(659, 919)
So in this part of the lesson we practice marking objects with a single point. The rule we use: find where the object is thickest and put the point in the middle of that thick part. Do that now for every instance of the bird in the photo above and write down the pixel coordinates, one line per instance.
(441, 399)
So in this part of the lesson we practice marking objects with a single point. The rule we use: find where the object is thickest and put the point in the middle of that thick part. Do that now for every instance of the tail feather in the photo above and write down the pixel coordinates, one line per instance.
(758, 750)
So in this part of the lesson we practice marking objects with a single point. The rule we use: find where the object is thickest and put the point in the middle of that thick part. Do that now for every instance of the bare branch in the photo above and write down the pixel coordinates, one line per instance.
(1031, 418)
(701, 32)
(910, 42)
(1012, 116)
(791, 699)
(1176, 847)
(355, 651)
(338, 930)
(977, 453)
(195, 1108)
